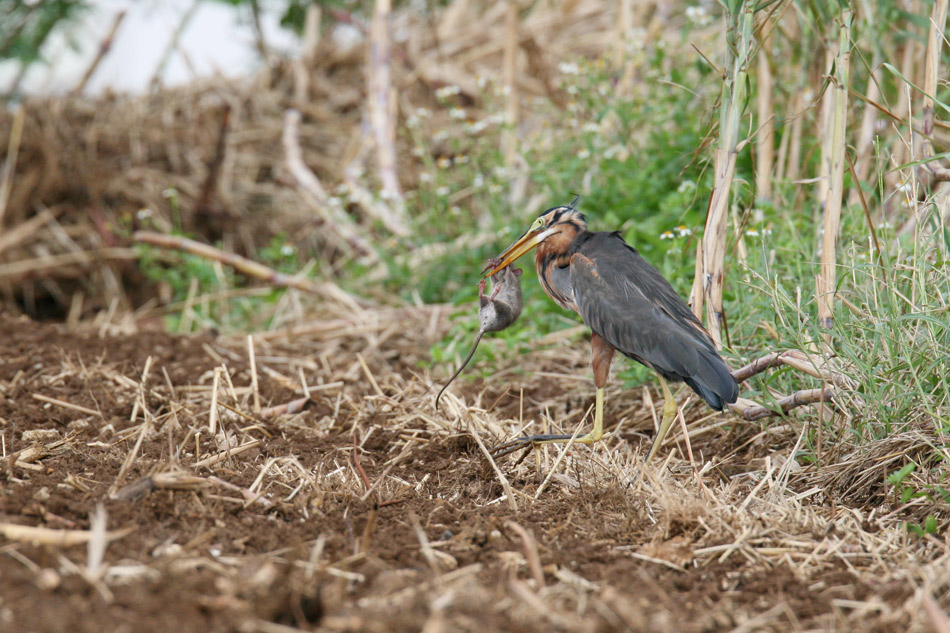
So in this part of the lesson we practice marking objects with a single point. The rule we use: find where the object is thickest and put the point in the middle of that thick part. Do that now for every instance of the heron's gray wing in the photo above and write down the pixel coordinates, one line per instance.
(631, 306)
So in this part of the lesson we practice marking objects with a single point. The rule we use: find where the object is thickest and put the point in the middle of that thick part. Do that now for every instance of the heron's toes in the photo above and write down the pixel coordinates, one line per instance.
(525, 442)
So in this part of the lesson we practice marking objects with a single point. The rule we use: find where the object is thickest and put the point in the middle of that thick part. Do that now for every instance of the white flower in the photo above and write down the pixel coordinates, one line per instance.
(481, 81)
(591, 128)
(440, 136)
(461, 159)
(752, 233)
(667, 235)
(287, 250)
(447, 91)
(418, 151)
(443, 191)
(335, 201)
(144, 213)
(697, 15)
(568, 68)
(583, 153)
(457, 113)
(682, 230)
(572, 90)
(425, 177)
(476, 127)
(443, 162)
(494, 188)
(478, 181)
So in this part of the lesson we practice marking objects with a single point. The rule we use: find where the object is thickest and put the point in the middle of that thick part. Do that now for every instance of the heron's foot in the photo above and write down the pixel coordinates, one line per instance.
(530, 441)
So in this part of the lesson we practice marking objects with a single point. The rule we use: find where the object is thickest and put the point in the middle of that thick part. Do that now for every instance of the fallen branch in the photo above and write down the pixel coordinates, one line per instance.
(748, 410)
(798, 360)
(242, 264)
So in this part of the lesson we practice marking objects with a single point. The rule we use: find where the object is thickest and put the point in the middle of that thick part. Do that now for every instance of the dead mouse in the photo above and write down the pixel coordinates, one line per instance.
(496, 311)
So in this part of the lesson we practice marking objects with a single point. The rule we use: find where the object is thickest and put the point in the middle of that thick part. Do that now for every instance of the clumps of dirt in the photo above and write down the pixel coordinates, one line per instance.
(367, 510)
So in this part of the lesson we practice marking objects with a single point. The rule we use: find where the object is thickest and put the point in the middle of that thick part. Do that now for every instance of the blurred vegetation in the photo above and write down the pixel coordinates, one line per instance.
(26, 26)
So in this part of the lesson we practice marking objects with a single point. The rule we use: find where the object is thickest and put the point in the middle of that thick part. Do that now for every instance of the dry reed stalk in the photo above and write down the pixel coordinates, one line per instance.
(825, 122)
(308, 52)
(334, 221)
(213, 411)
(252, 362)
(794, 164)
(715, 235)
(509, 140)
(104, 47)
(935, 40)
(828, 278)
(765, 139)
(382, 108)
(9, 163)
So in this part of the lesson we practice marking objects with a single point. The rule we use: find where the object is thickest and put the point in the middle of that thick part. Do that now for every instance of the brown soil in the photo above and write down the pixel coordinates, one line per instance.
(284, 534)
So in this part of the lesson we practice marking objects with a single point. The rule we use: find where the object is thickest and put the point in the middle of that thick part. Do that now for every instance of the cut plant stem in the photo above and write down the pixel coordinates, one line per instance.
(733, 98)
(828, 277)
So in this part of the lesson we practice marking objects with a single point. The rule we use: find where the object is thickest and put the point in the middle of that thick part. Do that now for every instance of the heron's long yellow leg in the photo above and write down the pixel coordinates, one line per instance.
(669, 414)
(601, 355)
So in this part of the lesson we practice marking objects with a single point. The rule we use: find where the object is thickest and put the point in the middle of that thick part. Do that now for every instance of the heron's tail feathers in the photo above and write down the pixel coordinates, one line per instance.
(713, 381)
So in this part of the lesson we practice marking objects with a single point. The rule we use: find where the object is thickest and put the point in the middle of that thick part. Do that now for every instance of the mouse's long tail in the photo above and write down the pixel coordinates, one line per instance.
(459, 370)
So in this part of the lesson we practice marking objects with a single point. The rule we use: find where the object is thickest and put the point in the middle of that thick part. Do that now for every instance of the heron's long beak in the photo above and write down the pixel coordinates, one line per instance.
(522, 246)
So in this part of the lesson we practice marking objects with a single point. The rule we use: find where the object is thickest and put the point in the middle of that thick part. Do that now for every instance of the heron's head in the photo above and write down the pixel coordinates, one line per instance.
(565, 222)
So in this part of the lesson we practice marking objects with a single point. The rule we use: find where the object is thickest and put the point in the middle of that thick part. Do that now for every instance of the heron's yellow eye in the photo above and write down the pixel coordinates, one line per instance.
(537, 224)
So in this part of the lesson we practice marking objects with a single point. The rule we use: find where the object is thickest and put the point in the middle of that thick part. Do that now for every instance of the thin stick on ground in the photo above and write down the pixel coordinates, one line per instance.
(530, 552)
(64, 404)
(252, 362)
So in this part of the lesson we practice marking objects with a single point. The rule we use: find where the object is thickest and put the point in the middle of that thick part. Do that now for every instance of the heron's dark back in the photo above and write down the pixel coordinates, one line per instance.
(633, 307)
